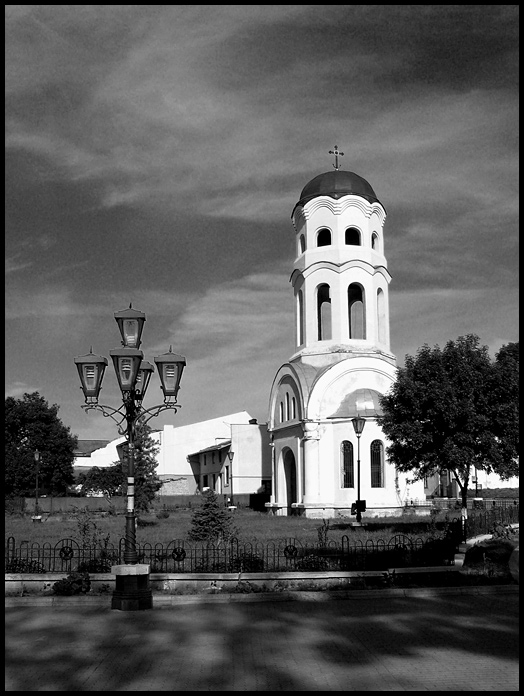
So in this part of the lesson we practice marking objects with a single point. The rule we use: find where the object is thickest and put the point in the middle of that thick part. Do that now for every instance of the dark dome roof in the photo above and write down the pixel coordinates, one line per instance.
(336, 184)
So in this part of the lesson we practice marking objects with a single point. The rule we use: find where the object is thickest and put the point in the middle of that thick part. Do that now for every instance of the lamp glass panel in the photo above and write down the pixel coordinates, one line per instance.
(170, 376)
(126, 372)
(142, 381)
(92, 376)
(130, 328)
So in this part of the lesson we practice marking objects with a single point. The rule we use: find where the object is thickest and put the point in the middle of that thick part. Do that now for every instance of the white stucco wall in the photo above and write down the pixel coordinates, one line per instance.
(174, 444)
(252, 457)
(177, 443)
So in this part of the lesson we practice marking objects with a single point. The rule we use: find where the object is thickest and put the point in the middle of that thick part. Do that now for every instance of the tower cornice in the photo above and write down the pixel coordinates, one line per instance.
(370, 268)
(338, 207)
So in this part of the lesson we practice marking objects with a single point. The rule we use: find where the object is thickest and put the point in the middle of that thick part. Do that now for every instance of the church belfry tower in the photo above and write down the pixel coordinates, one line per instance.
(340, 278)
(341, 363)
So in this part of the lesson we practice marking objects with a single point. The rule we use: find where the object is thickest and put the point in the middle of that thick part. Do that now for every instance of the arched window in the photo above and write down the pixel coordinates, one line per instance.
(323, 237)
(374, 241)
(353, 236)
(300, 318)
(356, 312)
(324, 313)
(381, 316)
(377, 464)
(348, 474)
(281, 411)
(293, 407)
(287, 406)
(302, 244)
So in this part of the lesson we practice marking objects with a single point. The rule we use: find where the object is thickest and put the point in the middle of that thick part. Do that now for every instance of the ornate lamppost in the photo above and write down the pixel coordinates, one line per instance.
(360, 505)
(230, 456)
(37, 516)
(133, 374)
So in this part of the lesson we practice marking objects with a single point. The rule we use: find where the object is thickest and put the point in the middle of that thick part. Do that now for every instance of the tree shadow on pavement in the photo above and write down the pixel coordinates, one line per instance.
(388, 643)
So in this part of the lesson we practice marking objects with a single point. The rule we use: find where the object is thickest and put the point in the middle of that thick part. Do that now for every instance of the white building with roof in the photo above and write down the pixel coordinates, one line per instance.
(342, 360)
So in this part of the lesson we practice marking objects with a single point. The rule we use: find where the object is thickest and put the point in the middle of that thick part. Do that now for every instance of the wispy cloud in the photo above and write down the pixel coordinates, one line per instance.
(155, 152)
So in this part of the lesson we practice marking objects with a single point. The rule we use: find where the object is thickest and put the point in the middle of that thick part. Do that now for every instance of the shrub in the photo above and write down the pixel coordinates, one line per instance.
(247, 563)
(211, 521)
(95, 565)
(24, 565)
(323, 532)
(245, 587)
(162, 514)
(75, 583)
(312, 562)
(145, 522)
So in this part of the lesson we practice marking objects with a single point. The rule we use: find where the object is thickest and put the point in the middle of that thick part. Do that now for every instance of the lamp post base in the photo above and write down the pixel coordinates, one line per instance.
(132, 591)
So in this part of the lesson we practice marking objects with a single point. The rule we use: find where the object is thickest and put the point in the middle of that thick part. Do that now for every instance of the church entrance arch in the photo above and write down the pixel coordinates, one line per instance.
(290, 474)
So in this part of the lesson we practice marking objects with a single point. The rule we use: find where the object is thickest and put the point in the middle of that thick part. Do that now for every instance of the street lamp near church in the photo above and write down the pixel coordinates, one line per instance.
(360, 505)
(230, 456)
(133, 374)
(36, 517)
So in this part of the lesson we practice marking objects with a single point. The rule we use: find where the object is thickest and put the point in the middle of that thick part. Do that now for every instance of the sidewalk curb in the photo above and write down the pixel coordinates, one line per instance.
(162, 601)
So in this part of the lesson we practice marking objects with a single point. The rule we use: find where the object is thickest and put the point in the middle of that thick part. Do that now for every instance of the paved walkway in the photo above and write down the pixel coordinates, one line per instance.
(419, 640)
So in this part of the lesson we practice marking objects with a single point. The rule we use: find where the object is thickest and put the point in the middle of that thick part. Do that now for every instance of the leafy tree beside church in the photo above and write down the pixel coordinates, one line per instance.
(32, 424)
(454, 409)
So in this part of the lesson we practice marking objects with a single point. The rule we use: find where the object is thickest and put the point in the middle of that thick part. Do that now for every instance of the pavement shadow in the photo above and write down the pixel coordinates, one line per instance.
(393, 643)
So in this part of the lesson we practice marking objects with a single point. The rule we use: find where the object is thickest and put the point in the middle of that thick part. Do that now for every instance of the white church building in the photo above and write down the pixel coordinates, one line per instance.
(342, 360)
(308, 459)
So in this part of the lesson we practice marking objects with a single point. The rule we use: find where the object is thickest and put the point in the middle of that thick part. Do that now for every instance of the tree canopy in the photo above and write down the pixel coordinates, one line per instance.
(454, 409)
(107, 480)
(32, 424)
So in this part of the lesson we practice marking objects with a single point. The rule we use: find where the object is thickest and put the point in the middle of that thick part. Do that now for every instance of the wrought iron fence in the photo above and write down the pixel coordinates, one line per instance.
(181, 556)
(484, 521)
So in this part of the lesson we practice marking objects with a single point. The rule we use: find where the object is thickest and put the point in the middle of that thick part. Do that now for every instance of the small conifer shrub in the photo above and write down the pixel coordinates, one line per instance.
(211, 521)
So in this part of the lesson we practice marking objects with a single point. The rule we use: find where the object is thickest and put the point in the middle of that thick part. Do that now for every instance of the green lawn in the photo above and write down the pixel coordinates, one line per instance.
(252, 526)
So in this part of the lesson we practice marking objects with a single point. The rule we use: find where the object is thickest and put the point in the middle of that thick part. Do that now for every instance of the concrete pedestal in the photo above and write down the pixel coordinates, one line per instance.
(132, 589)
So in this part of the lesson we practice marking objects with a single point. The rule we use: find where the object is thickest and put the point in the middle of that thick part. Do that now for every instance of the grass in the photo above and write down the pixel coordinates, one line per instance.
(252, 526)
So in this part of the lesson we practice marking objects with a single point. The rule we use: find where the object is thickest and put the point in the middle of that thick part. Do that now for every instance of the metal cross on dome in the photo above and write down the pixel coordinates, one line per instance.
(336, 153)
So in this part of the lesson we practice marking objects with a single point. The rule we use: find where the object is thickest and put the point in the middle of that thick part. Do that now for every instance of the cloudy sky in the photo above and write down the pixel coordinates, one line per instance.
(154, 155)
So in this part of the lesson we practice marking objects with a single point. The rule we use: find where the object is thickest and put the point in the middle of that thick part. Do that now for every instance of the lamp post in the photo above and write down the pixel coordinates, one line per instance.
(230, 456)
(36, 517)
(358, 426)
(133, 374)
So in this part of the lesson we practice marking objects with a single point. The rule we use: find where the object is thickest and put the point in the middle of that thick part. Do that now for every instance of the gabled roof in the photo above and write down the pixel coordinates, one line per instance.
(213, 448)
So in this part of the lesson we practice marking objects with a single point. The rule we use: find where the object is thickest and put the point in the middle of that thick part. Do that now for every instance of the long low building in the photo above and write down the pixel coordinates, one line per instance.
(231, 454)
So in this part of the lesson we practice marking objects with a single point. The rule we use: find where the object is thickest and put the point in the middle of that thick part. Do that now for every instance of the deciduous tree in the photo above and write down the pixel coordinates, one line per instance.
(106, 480)
(32, 424)
(451, 409)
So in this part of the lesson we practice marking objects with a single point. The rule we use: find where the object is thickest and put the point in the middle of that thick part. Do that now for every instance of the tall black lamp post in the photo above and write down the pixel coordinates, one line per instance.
(358, 426)
(133, 374)
(230, 456)
(37, 517)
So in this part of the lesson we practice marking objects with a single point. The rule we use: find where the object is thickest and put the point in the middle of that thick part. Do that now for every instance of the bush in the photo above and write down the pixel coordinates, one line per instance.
(312, 562)
(95, 565)
(74, 584)
(162, 514)
(24, 565)
(247, 563)
(211, 521)
(145, 522)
